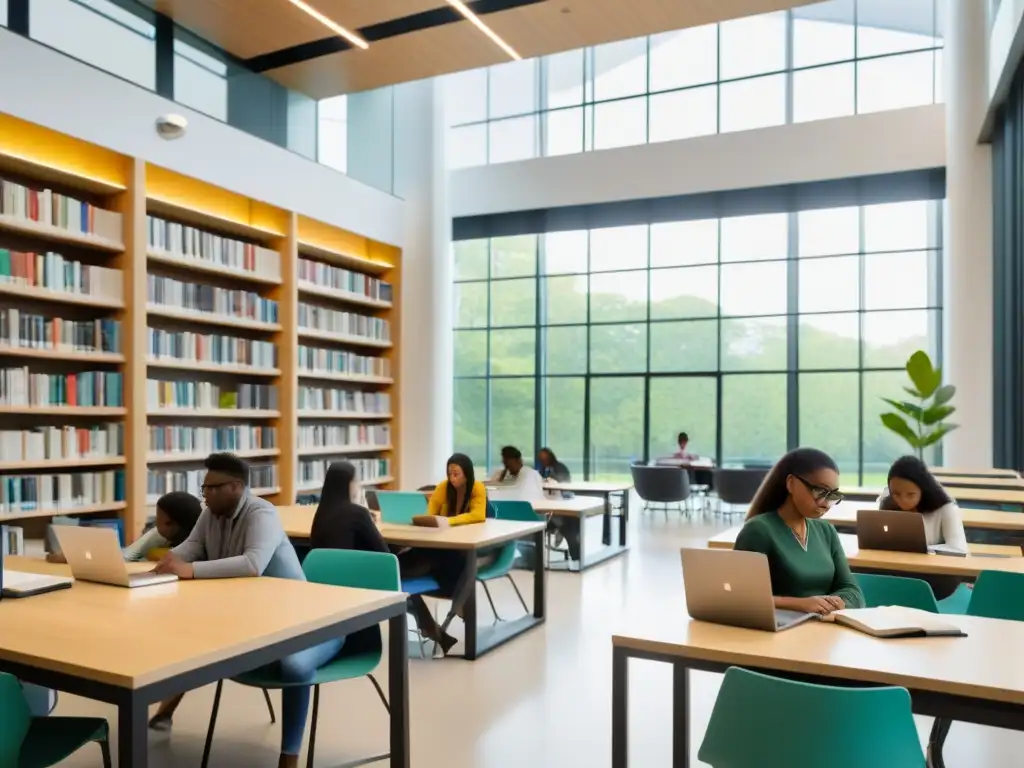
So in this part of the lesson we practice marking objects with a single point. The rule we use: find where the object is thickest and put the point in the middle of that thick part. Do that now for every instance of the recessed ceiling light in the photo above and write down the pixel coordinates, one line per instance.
(475, 21)
(335, 28)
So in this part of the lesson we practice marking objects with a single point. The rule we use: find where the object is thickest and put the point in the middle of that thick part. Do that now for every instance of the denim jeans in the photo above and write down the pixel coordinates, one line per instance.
(298, 668)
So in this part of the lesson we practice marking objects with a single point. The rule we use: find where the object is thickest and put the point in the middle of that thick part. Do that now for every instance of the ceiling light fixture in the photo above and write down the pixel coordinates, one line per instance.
(461, 7)
(337, 29)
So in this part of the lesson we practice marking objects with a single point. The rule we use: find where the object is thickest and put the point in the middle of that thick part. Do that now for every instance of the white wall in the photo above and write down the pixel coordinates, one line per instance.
(76, 99)
(886, 142)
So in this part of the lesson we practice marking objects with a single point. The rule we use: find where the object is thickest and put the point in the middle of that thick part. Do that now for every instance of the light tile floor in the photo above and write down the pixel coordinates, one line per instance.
(542, 700)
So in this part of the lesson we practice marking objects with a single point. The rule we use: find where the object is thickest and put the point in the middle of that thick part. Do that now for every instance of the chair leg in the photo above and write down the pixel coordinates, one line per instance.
(105, 751)
(518, 593)
(213, 724)
(270, 706)
(380, 693)
(312, 728)
(494, 610)
(936, 740)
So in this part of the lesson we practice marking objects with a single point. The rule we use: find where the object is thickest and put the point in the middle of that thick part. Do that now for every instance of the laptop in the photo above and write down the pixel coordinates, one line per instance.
(94, 554)
(733, 587)
(372, 501)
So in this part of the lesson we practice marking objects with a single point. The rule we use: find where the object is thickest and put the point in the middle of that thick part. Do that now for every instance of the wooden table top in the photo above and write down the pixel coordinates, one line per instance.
(960, 482)
(991, 519)
(585, 506)
(134, 637)
(981, 665)
(590, 486)
(914, 562)
(978, 472)
(977, 495)
(298, 519)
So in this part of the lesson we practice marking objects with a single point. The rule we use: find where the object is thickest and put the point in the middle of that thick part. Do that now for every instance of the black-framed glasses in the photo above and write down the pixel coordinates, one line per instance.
(210, 487)
(821, 492)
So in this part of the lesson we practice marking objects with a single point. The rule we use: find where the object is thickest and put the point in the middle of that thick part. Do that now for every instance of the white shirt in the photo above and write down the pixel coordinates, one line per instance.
(944, 526)
(528, 485)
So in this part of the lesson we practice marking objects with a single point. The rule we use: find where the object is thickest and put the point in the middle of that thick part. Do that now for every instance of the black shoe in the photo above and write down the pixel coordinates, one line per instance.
(160, 723)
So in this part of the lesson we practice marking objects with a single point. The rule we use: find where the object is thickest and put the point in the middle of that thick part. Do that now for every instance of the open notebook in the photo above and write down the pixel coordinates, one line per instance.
(895, 621)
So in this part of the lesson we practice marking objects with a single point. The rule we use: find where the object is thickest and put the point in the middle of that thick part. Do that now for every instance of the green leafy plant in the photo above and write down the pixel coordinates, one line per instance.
(922, 423)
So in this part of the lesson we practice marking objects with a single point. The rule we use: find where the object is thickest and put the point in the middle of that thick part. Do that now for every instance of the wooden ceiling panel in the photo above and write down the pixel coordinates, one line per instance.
(355, 14)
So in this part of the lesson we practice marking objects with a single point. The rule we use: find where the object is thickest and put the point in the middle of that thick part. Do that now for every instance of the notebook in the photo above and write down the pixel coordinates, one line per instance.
(895, 621)
(426, 521)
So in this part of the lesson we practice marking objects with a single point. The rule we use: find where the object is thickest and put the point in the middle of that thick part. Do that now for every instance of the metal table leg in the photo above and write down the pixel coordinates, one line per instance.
(398, 690)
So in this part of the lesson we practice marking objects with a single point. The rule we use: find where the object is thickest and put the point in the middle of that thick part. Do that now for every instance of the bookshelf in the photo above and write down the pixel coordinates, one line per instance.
(191, 319)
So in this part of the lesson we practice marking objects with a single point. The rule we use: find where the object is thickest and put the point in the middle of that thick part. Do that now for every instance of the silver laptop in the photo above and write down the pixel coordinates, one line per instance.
(94, 554)
(733, 587)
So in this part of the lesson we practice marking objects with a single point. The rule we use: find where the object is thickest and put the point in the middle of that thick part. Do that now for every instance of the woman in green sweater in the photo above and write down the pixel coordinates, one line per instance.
(809, 570)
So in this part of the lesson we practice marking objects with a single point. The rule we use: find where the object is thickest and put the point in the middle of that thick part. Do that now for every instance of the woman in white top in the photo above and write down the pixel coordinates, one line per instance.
(912, 488)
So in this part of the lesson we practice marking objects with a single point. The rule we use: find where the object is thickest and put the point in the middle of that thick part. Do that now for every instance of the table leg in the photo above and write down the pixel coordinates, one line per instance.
(680, 716)
(620, 708)
(606, 525)
(624, 518)
(581, 564)
(132, 735)
(398, 690)
(539, 579)
(469, 606)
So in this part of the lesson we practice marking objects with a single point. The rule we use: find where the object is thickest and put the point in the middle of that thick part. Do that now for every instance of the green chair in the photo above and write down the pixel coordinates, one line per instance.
(998, 596)
(360, 655)
(878, 726)
(521, 511)
(897, 590)
(400, 507)
(957, 603)
(39, 742)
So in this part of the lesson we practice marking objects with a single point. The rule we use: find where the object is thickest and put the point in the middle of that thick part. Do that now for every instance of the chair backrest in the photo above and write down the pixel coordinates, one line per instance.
(998, 595)
(400, 507)
(878, 727)
(661, 484)
(896, 590)
(515, 510)
(353, 568)
(15, 719)
(738, 486)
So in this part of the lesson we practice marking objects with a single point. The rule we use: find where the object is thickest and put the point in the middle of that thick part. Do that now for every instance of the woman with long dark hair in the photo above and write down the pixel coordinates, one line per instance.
(809, 570)
(460, 498)
(910, 487)
(339, 522)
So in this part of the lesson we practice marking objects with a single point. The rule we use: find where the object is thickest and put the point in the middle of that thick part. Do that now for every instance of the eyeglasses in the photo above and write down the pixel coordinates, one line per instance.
(821, 492)
(210, 487)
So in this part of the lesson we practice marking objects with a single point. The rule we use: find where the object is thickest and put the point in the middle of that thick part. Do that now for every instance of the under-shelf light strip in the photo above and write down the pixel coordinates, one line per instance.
(475, 21)
(335, 28)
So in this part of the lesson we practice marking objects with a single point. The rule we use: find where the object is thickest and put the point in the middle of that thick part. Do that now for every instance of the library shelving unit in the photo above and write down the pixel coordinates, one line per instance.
(190, 319)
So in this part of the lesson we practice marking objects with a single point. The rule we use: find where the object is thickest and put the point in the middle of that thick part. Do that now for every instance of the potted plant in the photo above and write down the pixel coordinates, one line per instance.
(922, 423)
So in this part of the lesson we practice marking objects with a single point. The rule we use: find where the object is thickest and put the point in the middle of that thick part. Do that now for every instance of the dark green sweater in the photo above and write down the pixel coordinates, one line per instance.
(821, 570)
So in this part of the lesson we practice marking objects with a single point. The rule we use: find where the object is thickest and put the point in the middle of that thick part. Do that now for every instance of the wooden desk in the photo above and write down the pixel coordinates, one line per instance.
(990, 497)
(469, 540)
(593, 499)
(981, 557)
(974, 679)
(845, 516)
(957, 482)
(943, 471)
(134, 647)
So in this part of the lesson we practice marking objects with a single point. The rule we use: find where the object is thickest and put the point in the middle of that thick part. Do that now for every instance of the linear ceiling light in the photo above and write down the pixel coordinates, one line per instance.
(460, 6)
(335, 28)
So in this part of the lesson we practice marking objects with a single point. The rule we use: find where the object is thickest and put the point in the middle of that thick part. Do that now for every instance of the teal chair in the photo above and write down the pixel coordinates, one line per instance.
(521, 511)
(910, 593)
(339, 568)
(877, 723)
(39, 742)
(998, 596)
(400, 507)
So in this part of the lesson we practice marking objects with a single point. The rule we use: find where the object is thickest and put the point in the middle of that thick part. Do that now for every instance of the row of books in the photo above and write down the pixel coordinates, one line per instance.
(206, 394)
(51, 443)
(25, 330)
(192, 440)
(191, 243)
(210, 348)
(64, 491)
(161, 481)
(210, 299)
(344, 280)
(344, 435)
(313, 471)
(347, 323)
(319, 360)
(20, 386)
(54, 209)
(57, 273)
(331, 399)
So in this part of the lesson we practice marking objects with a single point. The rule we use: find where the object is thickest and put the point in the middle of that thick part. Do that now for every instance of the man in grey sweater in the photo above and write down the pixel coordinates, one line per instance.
(238, 535)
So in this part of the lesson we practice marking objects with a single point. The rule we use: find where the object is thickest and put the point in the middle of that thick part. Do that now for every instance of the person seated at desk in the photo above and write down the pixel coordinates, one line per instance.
(459, 499)
(808, 566)
(515, 480)
(339, 522)
(682, 454)
(910, 487)
(550, 468)
(239, 535)
(565, 529)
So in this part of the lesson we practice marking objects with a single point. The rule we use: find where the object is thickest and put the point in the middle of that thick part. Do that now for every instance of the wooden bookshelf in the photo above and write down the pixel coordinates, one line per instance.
(41, 159)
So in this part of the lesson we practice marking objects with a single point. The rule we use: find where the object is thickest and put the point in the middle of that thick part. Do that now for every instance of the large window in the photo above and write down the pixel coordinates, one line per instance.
(753, 333)
(830, 59)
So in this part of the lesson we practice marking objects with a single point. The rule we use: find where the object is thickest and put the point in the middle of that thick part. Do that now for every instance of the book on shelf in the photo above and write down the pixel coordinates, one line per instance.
(317, 318)
(334, 399)
(12, 540)
(160, 481)
(44, 206)
(312, 471)
(343, 436)
(341, 279)
(62, 491)
(56, 443)
(26, 330)
(206, 394)
(88, 389)
(187, 346)
(169, 439)
(187, 242)
(895, 621)
(56, 273)
(209, 299)
(336, 361)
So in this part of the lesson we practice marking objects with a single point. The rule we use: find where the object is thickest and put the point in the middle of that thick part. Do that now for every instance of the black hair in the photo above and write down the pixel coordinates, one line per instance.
(683, 437)
(228, 464)
(336, 491)
(912, 469)
(183, 509)
(549, 452)
(511, 452)
(463, 462)
(773, 491)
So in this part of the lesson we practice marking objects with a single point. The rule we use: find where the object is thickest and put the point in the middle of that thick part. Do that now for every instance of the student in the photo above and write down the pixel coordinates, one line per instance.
(565, 529)
(683, 441)
(339, 522)
(910, 487)
(551, 468)
(808, 567)
(176, 516)
(517, 481)
(239, 535)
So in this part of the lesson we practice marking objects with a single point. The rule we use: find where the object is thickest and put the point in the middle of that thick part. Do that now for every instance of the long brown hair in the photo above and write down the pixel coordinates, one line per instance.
(463, 462)
(773, 491)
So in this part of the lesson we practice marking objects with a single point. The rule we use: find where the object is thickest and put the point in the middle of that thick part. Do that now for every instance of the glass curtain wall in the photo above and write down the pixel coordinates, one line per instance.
(754, 334)
(831, 59)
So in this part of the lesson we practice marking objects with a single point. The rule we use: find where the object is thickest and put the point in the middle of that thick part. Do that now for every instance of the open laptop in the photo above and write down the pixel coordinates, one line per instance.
(94, 554)
(733, 587)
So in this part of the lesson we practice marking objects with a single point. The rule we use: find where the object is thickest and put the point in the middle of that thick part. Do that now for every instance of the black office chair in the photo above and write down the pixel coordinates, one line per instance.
(661, 486)
(738, 486)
